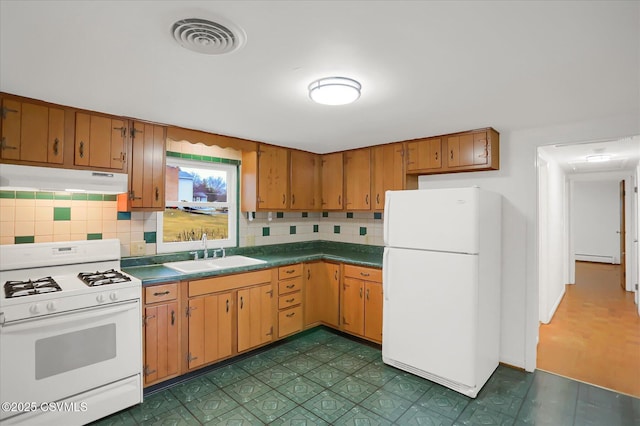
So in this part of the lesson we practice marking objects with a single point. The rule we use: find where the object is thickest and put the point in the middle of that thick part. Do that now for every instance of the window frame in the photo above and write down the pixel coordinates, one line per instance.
(232, 203)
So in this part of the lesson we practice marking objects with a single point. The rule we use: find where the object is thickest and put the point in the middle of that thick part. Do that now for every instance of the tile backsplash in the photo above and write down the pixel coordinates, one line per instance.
(38, 217)
(28, 217)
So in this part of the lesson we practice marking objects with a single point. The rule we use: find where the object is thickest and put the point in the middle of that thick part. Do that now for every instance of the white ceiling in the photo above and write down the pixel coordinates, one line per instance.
(426, 67)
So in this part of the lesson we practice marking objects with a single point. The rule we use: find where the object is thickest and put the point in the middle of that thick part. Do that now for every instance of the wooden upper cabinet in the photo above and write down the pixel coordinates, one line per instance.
(146, 169)
(388, 172)
(357, 179)
(424, 154)
(475, 150)
(305, 180)
(332, 181)
(100, 141)
(265, 179)
(32, 132)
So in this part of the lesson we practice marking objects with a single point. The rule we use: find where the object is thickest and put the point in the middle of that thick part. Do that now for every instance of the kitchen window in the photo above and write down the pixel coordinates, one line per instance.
(201, 198)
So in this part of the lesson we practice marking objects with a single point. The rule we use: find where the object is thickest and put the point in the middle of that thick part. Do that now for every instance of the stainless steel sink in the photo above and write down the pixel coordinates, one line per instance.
(203, 265)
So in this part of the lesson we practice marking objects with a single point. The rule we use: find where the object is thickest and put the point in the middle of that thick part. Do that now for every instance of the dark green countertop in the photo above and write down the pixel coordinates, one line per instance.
(151, 271)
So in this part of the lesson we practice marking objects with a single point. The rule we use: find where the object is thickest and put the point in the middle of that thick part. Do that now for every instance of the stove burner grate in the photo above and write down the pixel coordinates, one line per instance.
(30, 287)
(111, 276)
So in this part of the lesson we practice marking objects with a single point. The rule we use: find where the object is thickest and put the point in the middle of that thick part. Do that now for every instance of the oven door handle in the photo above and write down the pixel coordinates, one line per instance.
(62, 317)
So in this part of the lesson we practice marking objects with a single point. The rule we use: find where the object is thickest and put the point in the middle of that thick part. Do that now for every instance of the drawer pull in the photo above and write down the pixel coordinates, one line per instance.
(291, 286)
(364, 274)
(290, 300)
(290, 271)
(291, 314)
(163, 293)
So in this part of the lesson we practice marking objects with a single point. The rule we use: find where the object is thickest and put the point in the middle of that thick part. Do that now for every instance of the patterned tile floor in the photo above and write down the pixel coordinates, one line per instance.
(323, 378)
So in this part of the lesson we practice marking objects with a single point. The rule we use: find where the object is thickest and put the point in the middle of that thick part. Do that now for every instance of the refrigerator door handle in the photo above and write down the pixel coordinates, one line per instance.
(385, 274)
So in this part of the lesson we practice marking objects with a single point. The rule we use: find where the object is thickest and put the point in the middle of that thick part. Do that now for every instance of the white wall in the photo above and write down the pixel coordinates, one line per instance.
(596, 220)
(552, 252)
(516, 181)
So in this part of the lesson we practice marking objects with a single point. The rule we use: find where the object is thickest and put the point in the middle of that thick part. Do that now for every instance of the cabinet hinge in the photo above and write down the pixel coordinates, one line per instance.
(190, 309)
(635, 189)
(146, 318)
(148, 371)
(191, 357)
(134, 131)
(636, 286)
(270, 333)
(5, 110)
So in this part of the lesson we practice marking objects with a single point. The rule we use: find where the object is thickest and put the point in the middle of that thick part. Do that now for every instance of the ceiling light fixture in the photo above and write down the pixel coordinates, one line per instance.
(334, 91)
(598, 158)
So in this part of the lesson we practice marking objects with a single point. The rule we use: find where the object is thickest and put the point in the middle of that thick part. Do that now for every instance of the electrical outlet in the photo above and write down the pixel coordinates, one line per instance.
(138, 248)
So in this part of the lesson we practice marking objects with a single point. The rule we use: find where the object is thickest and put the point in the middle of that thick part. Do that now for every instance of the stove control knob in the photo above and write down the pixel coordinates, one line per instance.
(113, 296)
(35, 308)
(100, 298)
(52, 306)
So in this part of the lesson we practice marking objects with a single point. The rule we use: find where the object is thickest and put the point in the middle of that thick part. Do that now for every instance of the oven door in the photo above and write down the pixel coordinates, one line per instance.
(50, 358)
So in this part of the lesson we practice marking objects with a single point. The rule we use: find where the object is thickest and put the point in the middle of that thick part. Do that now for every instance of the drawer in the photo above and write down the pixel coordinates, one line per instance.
(290, 271)
(160, 293)
(363, 273)
(289, 300)
(289, 321)
(288, 286)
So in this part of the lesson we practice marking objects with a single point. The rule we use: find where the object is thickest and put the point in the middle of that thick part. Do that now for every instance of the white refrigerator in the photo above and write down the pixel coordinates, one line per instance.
(441, 285)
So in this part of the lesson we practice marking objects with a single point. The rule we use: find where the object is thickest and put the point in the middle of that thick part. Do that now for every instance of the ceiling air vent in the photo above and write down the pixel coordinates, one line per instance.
(208, 37)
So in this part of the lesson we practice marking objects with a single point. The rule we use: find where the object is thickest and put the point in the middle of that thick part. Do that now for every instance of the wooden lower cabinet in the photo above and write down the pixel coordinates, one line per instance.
(210, 329)
(161, 333)
(255, 316)
(322, 294)
(361, 304)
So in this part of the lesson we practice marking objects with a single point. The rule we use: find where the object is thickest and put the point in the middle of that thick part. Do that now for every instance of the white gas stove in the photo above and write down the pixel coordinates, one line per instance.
(70, 332)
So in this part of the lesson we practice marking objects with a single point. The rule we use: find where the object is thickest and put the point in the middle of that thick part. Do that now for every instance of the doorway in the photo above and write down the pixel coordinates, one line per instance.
(579, 321)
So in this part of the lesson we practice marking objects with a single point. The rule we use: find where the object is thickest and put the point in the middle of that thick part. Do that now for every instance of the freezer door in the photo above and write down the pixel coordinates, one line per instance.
(430, 312)
(433, 219)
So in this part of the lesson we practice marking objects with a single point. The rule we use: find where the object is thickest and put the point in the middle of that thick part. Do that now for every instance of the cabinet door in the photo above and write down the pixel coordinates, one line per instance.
(273, 177)
(305, 180)
(217, 326)
(480, 148)
(196, 332)
(353, 305)
(332, 181)
(388, 172)
(161, 357)
(146, 174)
(373, 310)
(331, 297)
(210, 327)
(32, 132)
(357, 179)
(255, 321)
(424, 154)
(314, 292)
(100, 141)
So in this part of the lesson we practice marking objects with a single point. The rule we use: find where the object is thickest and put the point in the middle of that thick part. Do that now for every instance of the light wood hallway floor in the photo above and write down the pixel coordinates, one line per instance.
(594, 335)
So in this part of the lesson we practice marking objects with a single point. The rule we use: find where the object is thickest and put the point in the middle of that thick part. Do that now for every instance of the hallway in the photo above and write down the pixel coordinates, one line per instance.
(594, 336)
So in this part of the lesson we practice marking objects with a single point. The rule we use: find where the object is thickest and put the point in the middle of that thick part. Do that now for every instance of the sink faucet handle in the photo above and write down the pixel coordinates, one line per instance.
(222, 250)
(195, 254)
(204, 244)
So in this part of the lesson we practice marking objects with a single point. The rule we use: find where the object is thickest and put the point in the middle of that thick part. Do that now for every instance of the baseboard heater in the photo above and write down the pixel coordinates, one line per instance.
(596, 258)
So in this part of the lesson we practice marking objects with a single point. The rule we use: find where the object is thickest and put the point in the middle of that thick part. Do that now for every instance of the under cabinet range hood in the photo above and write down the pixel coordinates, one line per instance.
(30, 178)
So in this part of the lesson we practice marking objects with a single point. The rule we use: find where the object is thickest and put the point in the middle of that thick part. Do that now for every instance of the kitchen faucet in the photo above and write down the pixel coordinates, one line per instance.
(204, 243)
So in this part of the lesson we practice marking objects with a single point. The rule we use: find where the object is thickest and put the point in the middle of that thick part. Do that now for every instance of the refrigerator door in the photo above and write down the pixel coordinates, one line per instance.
(430, 313)
(433, 219)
